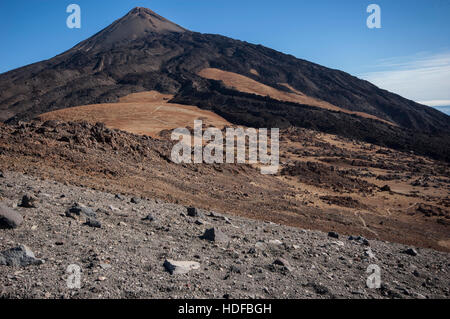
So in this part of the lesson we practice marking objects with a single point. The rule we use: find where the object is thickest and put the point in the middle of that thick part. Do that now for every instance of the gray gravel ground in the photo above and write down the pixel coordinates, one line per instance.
(125, 257)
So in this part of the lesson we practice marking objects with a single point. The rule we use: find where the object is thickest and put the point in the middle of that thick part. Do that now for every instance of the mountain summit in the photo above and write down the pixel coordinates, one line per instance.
(244, 83)
(138, 23)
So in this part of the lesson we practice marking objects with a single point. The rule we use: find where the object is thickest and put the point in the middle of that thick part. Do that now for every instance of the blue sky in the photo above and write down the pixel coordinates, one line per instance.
(409, 55)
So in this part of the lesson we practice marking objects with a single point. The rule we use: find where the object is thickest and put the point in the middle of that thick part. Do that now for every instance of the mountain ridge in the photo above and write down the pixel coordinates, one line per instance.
(136, 24)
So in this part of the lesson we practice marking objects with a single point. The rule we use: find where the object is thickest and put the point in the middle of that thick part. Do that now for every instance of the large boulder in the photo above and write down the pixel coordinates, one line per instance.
(9, 218)
(19, 256)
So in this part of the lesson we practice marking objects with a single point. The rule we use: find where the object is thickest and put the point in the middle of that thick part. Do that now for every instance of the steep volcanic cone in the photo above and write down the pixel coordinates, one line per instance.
(146, 113)
(138, 23)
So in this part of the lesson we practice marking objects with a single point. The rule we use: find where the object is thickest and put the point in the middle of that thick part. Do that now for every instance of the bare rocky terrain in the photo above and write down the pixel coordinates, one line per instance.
(325, 182)
(123, 254)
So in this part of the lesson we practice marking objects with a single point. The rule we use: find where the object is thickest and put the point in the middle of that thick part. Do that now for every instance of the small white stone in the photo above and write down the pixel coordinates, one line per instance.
(180, 267)
(275, 242)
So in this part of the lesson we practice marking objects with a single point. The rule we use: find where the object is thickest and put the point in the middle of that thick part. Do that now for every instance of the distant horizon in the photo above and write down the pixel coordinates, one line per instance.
(444, 109)
(327, 33)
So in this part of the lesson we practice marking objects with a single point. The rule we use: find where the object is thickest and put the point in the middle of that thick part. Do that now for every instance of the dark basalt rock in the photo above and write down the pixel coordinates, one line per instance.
(9, 218)
(20, 256)
(28, 201)
(214, 234)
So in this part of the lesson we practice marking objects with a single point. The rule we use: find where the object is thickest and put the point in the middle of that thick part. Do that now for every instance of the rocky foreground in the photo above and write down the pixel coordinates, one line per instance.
(325, 183)
(145, 248)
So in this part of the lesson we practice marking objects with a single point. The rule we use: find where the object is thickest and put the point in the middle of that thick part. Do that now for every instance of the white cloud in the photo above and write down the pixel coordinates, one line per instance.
(423, 77)
(436, 102)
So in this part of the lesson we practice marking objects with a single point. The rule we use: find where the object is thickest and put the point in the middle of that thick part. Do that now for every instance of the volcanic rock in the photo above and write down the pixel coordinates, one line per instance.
(149, 218)
(135, 200)
(180, 267)
(144, 50)
(79, 211)
(215, 234)
(333, 234)
(411, 252)
(93, 223)
(19, 256)
(9, 218)
(28, 201)
(283, 262)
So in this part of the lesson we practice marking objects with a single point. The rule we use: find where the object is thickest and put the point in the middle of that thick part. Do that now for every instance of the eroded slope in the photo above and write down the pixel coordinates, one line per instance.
(342, 188)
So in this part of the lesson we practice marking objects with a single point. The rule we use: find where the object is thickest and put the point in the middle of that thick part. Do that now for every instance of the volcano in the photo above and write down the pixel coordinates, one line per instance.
(246, 84)
(138, 23)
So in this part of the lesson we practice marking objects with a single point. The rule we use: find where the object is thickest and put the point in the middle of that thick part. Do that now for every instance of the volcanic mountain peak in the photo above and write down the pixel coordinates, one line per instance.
(138, 23)
(246, 84)
(158, 23)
